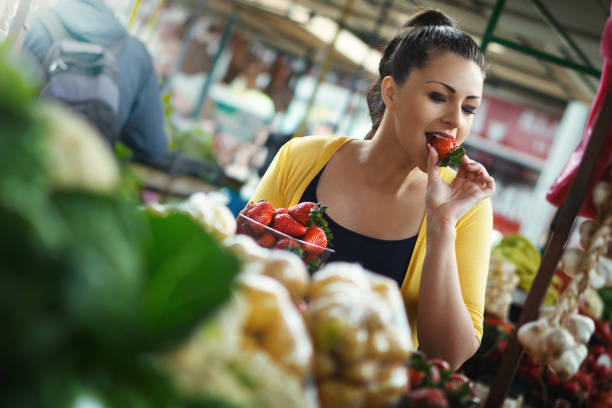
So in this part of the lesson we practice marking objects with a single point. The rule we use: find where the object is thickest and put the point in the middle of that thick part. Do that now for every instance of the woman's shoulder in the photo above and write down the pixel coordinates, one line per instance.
(308, 142)
(314, 146)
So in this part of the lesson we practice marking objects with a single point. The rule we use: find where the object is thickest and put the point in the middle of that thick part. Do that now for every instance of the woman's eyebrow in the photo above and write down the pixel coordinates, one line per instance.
(450, 88)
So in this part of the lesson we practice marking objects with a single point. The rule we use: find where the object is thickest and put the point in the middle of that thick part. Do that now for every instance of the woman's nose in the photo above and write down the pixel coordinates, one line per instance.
(453, 117)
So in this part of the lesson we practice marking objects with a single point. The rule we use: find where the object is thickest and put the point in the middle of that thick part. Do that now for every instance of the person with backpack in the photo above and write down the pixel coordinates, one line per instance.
(93, 66)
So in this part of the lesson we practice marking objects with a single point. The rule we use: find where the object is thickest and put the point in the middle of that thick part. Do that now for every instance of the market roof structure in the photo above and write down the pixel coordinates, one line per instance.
(525, 46)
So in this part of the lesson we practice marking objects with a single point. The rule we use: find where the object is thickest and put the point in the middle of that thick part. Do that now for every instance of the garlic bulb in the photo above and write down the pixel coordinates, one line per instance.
(558, 340)
(570, 261)
(581, 327)
(596, 280)
(604, 268)
(601, 192)
(568, 363)
(586, 229)
(532, 336)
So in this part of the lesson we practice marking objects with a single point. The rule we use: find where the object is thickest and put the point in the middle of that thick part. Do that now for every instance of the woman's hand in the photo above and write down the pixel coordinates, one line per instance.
(448, 202)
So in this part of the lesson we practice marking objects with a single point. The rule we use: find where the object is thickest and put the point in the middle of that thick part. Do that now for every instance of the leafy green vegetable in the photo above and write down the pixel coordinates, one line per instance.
(90, 288)
(189, 275)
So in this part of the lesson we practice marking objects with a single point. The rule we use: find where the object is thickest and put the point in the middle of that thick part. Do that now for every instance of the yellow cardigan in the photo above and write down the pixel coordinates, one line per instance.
(301, 159)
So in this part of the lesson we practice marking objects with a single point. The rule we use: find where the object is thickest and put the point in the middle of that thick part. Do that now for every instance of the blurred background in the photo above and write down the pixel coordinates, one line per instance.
(241, 77)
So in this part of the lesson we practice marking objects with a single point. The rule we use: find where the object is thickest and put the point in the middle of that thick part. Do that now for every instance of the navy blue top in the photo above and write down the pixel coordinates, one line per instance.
(386, 257)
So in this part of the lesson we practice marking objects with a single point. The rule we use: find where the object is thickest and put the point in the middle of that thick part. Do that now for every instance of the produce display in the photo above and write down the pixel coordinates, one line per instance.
(300, 229)
(255, 352)
(434, 385)
(286, 267)
(361, 337)
(501, 282)
(559, 338)
(93, 289)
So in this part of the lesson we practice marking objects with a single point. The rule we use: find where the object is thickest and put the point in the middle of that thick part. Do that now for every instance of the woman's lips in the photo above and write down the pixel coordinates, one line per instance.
(431, 135)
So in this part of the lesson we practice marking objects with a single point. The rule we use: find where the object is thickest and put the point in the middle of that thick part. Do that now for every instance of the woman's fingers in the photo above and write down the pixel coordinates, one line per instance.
(433, 170)
(477, 173)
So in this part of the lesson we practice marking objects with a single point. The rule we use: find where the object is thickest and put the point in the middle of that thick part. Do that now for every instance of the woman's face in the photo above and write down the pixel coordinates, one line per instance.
(441, 99)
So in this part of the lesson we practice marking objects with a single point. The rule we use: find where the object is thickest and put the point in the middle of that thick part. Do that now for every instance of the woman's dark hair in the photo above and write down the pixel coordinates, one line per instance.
(426, 33)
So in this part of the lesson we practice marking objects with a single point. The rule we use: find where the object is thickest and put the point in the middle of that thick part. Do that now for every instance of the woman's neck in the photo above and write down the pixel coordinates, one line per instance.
(385, 164)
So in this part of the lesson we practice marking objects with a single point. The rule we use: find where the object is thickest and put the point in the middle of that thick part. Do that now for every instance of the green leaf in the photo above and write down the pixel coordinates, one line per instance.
(104, 247)
(453, 158)
(189, 276)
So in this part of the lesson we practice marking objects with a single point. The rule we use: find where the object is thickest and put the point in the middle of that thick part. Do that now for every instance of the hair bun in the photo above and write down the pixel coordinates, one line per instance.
(430, 18)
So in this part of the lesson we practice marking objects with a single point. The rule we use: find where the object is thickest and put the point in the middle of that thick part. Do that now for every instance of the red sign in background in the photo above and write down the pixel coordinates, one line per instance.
(519, 133)
(517, 126)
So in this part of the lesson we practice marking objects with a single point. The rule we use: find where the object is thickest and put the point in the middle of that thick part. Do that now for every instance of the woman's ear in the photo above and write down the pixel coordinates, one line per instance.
(388, 92)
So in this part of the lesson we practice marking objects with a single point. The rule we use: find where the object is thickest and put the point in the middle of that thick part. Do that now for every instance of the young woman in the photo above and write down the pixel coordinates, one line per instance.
(390, 206)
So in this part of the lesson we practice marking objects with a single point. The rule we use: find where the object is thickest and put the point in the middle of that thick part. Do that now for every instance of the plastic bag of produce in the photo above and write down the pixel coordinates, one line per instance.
(560, 188)
(361, 337)
(284, 266)
(273, 324)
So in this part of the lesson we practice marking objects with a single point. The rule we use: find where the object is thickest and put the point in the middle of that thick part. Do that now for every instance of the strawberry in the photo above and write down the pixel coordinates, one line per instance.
(280, 211)
(427, 397)
(266, 239)
(316, 236)
(262, 212)
(286, 224)
(313, 263)
(448, 151)
(285, 242)
(301, 212)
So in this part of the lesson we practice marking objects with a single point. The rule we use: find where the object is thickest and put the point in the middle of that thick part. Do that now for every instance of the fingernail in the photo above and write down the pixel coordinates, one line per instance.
(481, 173)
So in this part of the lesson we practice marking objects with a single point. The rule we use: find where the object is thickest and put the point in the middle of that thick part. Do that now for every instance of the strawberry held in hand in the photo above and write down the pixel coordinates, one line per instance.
(448, 151)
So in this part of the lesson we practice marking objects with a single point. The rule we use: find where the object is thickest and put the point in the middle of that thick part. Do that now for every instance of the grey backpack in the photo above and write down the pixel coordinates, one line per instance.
(83, 76)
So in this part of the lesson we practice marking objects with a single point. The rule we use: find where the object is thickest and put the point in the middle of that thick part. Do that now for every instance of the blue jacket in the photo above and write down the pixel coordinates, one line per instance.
(141, 116)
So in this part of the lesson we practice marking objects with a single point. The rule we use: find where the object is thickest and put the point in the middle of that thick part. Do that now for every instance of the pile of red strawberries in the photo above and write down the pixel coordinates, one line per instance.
(304, 224)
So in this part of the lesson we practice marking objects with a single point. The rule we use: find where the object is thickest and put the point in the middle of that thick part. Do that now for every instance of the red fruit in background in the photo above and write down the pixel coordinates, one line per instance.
(433, 374)
(441, 364)
(416, 376)
(598, 350)
(262, 212)
(586, 381)
(301, 212)
(553, 379)
(285, 242)
(604, 397)
(455, 383)
(316, 236)
(502, 345)
(427, 398)
(266, 239)
(572, 386)
(534, 372)
(286, 224)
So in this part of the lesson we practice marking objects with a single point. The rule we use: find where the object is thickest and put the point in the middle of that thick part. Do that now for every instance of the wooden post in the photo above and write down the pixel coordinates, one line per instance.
(560, 229)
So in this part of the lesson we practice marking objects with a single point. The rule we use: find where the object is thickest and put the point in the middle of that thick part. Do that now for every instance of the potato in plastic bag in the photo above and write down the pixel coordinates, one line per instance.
(284, 266)
(361, 337)
(275, 324)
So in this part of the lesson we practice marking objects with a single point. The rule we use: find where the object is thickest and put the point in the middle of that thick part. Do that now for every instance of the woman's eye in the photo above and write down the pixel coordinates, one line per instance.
(437, 97)
(470, 110)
